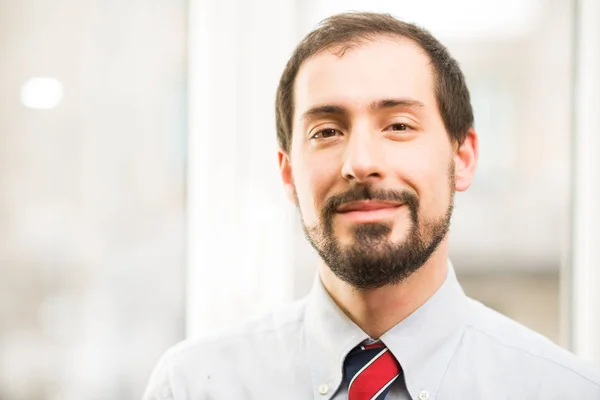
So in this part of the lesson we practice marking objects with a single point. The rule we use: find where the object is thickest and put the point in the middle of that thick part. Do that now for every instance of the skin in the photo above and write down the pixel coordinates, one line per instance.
(365, 139)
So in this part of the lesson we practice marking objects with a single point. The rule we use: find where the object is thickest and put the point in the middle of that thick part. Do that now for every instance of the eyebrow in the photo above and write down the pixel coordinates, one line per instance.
(319, 111)
(392, 103)
(377, 105)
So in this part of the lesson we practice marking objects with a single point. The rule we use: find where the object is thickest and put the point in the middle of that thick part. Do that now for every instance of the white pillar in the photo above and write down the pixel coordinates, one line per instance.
(240, 224)
(585, 279)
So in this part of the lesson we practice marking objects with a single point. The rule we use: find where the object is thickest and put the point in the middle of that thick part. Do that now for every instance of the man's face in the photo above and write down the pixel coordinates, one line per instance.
(371, 165)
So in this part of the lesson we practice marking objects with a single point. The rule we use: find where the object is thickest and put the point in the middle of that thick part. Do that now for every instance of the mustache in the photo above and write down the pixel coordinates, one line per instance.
(359, 193)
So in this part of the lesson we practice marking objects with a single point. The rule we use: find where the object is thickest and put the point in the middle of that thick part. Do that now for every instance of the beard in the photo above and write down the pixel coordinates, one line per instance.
(372, 260)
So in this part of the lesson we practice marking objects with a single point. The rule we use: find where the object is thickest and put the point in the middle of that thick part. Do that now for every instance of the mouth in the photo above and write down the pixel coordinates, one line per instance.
(368, 211)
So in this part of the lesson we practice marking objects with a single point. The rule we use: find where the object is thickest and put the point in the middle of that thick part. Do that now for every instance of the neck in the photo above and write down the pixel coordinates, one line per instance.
(376, 311)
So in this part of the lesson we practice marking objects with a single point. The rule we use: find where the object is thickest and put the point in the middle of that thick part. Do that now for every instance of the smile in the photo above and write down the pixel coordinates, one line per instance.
(364, 212)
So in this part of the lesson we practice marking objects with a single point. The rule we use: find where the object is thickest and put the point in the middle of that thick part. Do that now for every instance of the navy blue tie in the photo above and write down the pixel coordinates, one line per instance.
(370, 371)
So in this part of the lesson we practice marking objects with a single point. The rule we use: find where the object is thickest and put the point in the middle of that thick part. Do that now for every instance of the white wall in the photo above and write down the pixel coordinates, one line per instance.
(585, 278)
(240, 230)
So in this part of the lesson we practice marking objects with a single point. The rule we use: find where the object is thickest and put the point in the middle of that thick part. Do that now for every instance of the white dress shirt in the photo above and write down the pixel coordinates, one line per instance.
(452, 347)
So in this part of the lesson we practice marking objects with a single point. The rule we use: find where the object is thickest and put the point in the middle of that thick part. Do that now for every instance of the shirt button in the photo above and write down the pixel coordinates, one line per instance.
(423, 395)
(323, 388)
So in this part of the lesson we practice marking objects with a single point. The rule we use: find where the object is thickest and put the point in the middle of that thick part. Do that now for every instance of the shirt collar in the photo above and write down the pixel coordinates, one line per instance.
(423, 343)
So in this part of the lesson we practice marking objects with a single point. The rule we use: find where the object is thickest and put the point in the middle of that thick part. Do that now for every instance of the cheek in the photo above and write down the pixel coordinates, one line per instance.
(436, 197)
(314, 180)
(425, 170)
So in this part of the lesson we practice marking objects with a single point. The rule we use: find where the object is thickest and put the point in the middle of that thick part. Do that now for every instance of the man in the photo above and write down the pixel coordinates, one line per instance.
(376, 134)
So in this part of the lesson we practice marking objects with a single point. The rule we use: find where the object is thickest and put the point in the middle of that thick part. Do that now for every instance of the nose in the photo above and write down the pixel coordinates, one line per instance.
(363, 161)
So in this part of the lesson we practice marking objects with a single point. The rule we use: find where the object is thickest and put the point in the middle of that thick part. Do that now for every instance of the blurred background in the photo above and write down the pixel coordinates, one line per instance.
(140, 202)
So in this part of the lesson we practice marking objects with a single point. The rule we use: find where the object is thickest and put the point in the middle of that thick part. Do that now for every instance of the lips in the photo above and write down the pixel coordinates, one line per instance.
(366, 205)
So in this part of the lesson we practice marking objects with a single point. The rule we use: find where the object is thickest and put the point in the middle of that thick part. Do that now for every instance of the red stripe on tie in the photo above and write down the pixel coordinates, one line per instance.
(374, 377)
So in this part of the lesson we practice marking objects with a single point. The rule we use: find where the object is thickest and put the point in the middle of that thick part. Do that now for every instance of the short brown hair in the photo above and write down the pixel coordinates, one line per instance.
(351, 29)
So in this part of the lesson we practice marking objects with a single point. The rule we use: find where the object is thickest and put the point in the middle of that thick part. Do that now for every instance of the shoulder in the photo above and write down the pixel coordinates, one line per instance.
(524, 354)
(273, 328)
(208, 357)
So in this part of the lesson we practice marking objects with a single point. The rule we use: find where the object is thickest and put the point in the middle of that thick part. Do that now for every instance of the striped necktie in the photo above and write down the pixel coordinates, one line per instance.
(370, 371)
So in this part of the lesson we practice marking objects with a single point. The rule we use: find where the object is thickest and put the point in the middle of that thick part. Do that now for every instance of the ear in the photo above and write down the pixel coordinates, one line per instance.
(285, 168)
(466, 161)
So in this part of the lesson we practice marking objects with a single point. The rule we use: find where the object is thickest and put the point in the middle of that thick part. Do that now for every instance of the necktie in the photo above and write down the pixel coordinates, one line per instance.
(370, 371)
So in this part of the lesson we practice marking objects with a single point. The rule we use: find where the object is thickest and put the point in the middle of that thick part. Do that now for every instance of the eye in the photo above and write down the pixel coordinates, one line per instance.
(325, 133)
(398, 127)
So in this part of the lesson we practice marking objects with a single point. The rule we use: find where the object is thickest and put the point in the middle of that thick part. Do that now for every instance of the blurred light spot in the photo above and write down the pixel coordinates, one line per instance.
(42, 93)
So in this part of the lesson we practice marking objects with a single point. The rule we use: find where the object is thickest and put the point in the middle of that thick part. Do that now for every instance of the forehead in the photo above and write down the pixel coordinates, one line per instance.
(380, 69)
